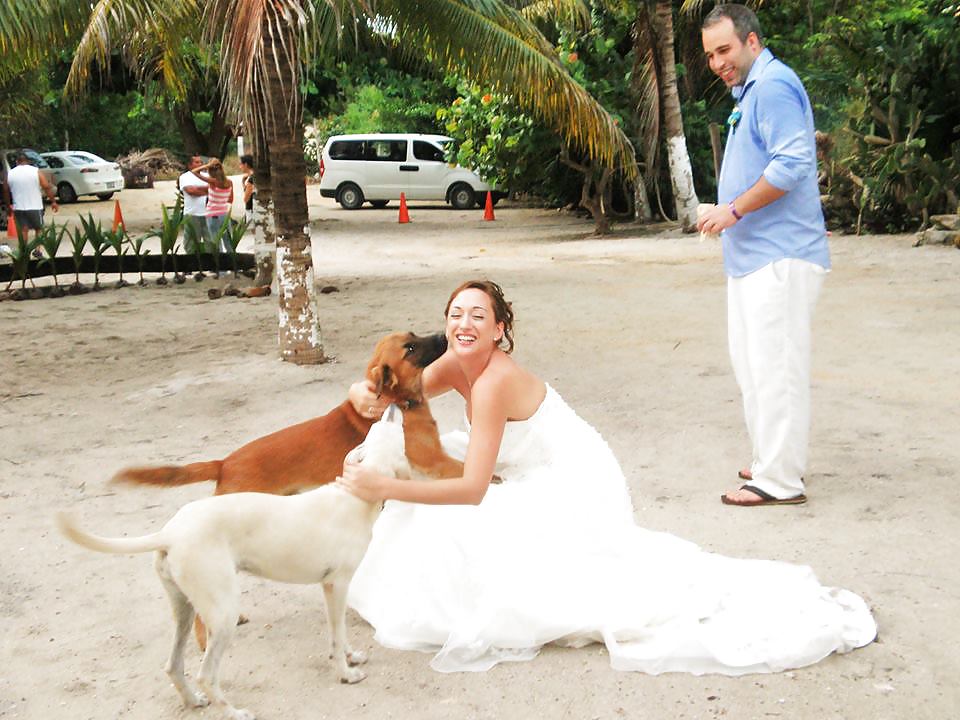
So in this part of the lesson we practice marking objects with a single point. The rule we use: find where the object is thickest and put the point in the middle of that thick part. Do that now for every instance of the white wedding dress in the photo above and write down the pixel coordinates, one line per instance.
(552, 555)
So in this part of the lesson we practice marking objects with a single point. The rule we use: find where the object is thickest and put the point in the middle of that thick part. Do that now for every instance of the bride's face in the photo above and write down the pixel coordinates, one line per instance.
(471, 323)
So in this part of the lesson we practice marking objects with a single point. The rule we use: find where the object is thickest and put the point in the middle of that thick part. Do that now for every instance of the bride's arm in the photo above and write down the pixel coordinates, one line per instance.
(488, 420)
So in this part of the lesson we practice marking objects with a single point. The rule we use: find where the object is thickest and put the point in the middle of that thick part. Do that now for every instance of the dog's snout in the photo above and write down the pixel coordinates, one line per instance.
(427, 349)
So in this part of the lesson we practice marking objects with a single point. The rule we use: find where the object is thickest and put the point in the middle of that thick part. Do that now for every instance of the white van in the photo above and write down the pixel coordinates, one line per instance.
(376, 168)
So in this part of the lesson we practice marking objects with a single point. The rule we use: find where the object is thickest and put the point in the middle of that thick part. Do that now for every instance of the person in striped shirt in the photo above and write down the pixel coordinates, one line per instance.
(219, 196)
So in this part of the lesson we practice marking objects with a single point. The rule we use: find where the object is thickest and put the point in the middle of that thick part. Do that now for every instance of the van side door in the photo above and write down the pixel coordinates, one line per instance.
(428, 181)
(385, 177)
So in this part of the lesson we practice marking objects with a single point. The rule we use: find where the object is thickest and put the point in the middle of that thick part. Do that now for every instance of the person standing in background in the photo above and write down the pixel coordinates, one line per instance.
(775, 251)
(24, 191)
(194, 190)
(219, 196)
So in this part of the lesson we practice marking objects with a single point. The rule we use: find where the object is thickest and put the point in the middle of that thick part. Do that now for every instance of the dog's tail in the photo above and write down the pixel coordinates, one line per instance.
(68, 526)
(170, 475)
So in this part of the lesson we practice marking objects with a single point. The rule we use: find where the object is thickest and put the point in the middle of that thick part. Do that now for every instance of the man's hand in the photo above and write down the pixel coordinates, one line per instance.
(717, 218)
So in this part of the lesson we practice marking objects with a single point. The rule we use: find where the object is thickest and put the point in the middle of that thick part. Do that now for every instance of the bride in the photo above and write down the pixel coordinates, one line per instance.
(479, 573)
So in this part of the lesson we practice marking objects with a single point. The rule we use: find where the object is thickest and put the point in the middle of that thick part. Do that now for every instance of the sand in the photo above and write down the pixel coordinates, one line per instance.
(629, 329)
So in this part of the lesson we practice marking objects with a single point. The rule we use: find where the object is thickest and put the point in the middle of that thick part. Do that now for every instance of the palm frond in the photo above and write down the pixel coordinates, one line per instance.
(29, 31)
(572, 13)
(495, 46)
(275, 37)
(146, 32)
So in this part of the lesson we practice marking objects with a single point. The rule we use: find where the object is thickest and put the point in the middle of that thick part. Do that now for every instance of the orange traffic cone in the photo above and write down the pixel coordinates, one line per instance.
(118, 217)
(11, 226)
(404, 215)
(488, 208)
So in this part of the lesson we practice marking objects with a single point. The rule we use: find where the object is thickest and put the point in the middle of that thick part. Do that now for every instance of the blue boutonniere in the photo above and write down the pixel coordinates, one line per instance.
(734, 118)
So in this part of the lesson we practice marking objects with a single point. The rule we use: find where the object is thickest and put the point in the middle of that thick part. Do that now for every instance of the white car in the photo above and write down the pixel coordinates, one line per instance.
(377, 167)
(77, 173)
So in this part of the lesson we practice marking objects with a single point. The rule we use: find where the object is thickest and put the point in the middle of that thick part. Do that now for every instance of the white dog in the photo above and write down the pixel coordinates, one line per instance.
(316, 537)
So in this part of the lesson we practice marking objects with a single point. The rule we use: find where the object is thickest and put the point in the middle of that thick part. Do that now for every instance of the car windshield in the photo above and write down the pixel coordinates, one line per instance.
(35, 159)
(84, 159)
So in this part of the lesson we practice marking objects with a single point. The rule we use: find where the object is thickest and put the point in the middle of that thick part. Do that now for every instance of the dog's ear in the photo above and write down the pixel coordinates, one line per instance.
(375, 375)
(384, 378)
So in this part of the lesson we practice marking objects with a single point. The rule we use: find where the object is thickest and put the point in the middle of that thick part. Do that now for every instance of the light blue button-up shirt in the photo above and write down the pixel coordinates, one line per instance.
(774, 137)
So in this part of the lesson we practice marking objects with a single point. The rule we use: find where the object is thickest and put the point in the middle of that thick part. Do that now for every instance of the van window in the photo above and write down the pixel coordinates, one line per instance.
(346, 150)
(386, 150)
(427, 151)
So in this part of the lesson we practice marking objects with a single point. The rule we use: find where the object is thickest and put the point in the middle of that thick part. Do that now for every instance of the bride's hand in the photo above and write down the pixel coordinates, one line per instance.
(362, 482)
(362, 395)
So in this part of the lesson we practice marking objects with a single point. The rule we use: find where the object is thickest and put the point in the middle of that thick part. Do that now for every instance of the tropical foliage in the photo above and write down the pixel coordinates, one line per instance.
(528, 90)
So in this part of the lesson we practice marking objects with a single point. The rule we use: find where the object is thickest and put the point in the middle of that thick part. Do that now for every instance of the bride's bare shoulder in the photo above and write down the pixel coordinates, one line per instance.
(519, 391)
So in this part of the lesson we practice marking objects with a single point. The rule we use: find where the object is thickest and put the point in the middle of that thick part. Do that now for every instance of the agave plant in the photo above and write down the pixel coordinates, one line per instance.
(171, 222)
(116, 239)
(50, 238)
(78, 241)
(98, 241)
(136, 244)
(230, 234)
(20, 255)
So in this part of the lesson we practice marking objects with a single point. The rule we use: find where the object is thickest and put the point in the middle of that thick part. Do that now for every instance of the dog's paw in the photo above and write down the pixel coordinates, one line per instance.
(356, 657)
(197, 699)
(352, 675)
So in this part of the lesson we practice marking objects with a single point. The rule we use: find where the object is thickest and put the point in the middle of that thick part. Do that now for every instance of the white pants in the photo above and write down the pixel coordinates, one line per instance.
(768, 326)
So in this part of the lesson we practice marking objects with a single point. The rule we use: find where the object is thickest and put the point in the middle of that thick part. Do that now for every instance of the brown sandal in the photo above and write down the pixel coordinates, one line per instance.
(763, 498)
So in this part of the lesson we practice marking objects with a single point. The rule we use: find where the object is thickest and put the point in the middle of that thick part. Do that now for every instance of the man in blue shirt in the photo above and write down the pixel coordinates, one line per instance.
(774, 250)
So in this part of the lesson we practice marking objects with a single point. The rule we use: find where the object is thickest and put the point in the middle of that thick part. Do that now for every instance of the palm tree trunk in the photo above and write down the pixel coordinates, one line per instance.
(299, 330)
(641, 201)
(264, 237)
(681, 173)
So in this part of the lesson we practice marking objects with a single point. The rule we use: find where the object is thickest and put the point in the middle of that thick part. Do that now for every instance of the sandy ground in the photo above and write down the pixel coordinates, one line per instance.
(630, 330)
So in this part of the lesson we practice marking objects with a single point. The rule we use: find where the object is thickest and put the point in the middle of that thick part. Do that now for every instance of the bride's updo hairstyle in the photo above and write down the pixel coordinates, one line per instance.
(502, 310)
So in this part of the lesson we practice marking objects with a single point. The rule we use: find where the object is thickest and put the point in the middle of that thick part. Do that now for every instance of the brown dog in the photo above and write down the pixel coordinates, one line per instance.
(311, 453)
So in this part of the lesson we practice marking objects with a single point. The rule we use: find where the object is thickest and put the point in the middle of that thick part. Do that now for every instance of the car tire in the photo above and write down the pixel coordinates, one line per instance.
(462, 196)
(379, 204)
(350, 196)
(105, 196)
(66, 193)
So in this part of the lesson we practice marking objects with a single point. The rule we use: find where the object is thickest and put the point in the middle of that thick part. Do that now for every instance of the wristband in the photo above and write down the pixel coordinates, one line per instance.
(733, 209)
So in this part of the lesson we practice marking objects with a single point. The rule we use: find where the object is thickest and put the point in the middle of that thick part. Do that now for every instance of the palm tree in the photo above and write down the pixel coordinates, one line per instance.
(264, 46)
(660, 115)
